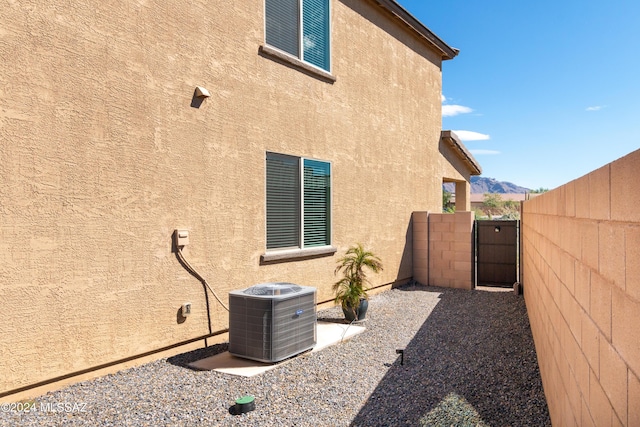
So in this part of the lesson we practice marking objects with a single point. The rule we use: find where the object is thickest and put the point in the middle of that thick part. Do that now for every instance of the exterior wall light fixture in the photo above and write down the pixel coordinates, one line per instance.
(202, 92)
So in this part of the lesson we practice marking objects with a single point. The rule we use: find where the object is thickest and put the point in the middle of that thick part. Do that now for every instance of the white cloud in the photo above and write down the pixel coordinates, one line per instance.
(454, 110)
(595, 108)
(442, 98)
(467, 135)
(484, 152)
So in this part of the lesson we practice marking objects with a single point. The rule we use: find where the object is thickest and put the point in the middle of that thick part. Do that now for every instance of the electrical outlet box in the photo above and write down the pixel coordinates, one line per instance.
(181, 237)
(186, 309)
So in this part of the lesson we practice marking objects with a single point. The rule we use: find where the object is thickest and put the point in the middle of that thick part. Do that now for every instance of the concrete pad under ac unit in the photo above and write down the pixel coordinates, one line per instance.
(327, 334)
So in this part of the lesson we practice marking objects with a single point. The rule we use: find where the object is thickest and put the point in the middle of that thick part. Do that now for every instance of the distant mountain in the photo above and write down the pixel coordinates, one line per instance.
(481, 185)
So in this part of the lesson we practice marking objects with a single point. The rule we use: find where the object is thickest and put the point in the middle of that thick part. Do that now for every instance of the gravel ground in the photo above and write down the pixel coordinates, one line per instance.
(469, 360)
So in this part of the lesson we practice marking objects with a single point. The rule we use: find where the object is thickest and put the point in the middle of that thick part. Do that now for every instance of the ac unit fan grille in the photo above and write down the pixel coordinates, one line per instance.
(272, 328)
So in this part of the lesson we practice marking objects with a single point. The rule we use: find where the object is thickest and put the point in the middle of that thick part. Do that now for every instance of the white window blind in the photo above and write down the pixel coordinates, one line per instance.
(300, 28)
(298, 204)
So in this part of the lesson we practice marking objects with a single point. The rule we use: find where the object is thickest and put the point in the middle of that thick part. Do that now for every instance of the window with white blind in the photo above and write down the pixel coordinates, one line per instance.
(300, 28)
(298, 202)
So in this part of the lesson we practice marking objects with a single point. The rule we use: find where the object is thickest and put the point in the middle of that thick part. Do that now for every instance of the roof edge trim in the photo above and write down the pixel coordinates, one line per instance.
(412, 22)
(454, 141)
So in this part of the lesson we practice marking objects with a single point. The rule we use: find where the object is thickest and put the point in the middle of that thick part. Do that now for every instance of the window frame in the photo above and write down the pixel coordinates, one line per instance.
(301, 251)
(299, 59)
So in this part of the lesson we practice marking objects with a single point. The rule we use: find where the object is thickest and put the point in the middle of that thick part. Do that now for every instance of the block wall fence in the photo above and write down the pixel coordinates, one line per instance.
(443, 249)
(581, 277)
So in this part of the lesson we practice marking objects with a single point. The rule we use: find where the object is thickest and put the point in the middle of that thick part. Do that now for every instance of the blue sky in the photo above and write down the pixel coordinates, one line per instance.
(552, 87)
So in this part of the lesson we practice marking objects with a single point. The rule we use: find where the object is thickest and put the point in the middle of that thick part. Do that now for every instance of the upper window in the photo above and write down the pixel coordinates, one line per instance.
(298, 202)
(300, 28)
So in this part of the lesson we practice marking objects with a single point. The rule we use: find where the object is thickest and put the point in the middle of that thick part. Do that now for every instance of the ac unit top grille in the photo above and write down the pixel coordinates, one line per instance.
(271, 289)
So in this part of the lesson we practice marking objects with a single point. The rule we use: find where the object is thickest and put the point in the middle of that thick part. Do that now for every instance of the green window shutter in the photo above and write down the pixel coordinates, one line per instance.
(315, 37)
(282, 25)
(317, 203)
(283, 201)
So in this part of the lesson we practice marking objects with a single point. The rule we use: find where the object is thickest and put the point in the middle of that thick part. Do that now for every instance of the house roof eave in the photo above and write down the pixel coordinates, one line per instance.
(446, 51)
(458, 147)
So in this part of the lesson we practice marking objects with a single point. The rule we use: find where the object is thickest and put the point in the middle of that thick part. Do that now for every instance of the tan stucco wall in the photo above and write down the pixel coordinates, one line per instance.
(581, 277)
(103, 157)
(443, 249)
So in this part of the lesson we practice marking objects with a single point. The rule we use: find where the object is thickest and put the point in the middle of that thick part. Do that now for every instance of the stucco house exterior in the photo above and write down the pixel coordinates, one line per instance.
(321, 128)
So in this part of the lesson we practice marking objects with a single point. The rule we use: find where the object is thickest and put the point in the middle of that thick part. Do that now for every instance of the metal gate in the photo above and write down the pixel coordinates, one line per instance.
(497, 252)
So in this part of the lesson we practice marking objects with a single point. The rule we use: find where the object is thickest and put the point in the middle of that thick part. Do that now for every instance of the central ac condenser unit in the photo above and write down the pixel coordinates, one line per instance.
(271, 322)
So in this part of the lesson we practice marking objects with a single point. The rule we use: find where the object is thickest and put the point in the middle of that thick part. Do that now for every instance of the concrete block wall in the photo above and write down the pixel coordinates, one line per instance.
(581, 276)
(443, 249)
(420, 224)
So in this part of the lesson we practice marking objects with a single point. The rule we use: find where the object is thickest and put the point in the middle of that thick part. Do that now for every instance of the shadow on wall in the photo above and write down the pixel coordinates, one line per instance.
(464, 366)
(405, 270)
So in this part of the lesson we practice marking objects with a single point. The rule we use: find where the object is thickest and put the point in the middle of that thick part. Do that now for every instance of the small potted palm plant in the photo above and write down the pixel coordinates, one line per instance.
(351, 290)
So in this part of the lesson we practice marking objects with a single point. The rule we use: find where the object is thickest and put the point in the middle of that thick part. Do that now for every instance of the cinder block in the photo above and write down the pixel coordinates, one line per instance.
(463, 257)
(569, 345)
(553, 308)
(574, 397)
(599, 405)
(448, 236)
(582, 286)
(582, 196)
(611, 253)
(440, 246)
(562, 231)
(462, 284)
(465, 219)
(632, 257)
(599, 193)
(567, 273)
(613, 378)
(589, 243)
(462, 247)
(633, 395)
(440, 226)
(434, 255)
(420, 228)
(420, 244)
(553, 285)
(554, 259)
(615, 421)
(440, 281)
(448, 218)
(572, 239)
(625, 330)
(449, 273)
(585, 419)
(573, 313)
(567, 412)
(581, 370)
(420, 217)
(435, 217)
(462, 271)
(570, 199)
(448, 255)
(420, 255)
(562, 208)
(421, 275)
(590, 343)
(625, 186)
(600, 307)
(462, 237)
(435, 236)
(438, 264)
